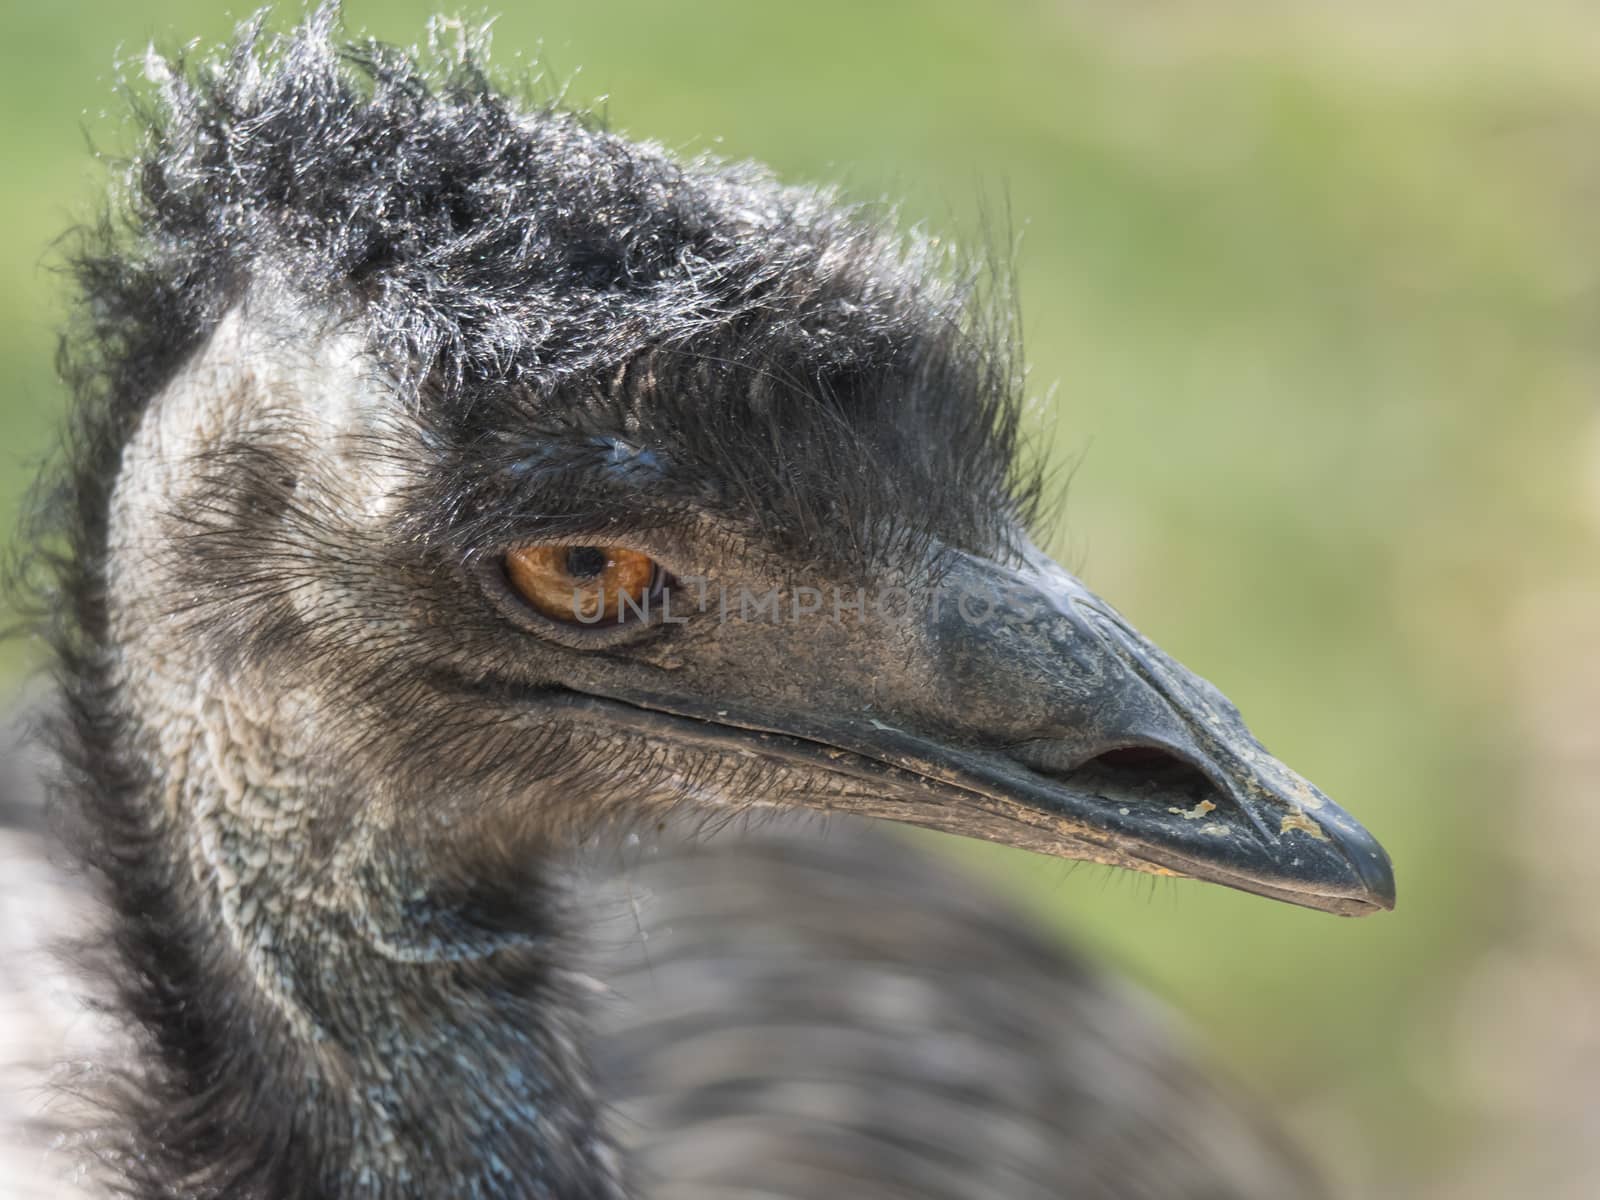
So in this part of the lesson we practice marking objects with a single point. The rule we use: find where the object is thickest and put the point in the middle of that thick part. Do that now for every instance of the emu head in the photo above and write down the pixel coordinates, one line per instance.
(509, 477)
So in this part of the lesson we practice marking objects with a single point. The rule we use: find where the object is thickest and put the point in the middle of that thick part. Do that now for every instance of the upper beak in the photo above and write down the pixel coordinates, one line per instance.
(1023, 709)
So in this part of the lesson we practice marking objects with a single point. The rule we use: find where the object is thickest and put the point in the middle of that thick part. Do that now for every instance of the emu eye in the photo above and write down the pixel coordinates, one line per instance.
(588, 585)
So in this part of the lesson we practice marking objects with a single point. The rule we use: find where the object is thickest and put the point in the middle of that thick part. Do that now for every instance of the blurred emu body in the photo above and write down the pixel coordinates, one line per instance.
(372, 365)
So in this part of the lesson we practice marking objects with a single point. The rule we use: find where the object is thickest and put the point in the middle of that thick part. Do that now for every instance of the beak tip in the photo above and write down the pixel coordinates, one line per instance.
(1369, 872)
(1376, 875)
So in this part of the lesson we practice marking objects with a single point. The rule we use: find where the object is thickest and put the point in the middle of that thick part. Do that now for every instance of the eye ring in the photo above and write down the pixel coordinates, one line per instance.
(585, 585)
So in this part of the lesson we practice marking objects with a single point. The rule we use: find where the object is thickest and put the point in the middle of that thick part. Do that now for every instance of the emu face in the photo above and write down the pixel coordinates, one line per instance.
(355, 576)
(439, 363)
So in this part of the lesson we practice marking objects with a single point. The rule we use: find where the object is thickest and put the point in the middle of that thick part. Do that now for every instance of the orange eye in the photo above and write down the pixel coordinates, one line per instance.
(588, 585)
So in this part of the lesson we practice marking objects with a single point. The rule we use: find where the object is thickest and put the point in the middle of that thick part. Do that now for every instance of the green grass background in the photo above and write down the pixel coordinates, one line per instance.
(1312, 290)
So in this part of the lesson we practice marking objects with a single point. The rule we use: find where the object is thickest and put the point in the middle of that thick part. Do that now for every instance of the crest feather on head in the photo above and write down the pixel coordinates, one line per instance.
(524, 275)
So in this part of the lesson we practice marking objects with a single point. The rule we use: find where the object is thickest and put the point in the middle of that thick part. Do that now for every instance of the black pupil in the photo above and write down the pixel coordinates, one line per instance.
(585, 562)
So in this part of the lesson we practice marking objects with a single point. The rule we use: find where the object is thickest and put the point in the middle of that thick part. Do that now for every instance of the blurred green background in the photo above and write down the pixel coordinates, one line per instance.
(1313, 292)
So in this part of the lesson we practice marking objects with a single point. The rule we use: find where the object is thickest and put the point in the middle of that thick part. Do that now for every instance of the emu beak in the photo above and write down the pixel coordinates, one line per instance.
(1134, 755)
(1023, 709)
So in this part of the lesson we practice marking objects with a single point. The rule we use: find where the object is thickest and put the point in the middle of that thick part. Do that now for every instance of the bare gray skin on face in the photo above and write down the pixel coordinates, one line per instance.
(376, 333)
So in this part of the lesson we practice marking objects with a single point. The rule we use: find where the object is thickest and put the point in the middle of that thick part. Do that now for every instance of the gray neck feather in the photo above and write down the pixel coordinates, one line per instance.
(385, 1040)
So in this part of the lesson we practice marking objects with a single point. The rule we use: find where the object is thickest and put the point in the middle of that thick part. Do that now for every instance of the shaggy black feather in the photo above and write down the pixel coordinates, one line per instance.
(526, 274)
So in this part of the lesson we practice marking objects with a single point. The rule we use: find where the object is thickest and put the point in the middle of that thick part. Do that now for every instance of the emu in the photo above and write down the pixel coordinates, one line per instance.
(451, 489)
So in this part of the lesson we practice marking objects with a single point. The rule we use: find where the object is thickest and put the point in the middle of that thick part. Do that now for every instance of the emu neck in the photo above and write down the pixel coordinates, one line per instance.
(337, 1000)
(340, 1028)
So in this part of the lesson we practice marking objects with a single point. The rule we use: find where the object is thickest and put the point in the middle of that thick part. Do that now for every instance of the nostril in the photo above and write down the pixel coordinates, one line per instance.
(1134, 771)
(1138, 769)
(1133, 757)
